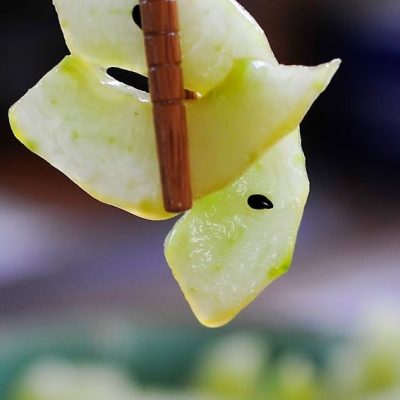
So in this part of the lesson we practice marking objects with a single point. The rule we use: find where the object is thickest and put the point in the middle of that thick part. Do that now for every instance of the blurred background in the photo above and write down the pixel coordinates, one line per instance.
(88, 307)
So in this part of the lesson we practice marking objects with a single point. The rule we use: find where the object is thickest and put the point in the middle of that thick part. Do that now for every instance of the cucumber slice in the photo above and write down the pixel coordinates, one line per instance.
(213, 35)
(223, 253)
(99, 132)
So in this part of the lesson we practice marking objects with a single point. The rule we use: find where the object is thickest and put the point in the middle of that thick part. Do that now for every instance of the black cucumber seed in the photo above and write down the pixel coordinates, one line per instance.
(137, 16)
(129, 78)
(260, 202)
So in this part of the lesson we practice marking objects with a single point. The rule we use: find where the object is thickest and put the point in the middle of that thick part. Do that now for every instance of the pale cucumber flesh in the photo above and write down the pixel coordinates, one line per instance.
(100, 133)
(213, 35)
(224, 253)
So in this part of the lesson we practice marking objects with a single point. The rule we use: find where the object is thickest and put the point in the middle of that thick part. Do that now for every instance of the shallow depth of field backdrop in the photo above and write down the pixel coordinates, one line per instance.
(64, 256)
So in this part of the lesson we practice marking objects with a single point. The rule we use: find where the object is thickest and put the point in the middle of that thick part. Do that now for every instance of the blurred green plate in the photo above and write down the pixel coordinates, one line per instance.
(161, 356)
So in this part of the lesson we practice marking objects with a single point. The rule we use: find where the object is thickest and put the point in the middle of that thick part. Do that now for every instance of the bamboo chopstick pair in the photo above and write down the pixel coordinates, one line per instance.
(160, 24)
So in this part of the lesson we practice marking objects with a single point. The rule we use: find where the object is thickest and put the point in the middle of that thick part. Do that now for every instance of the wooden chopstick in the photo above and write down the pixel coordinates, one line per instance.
(160, 24)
